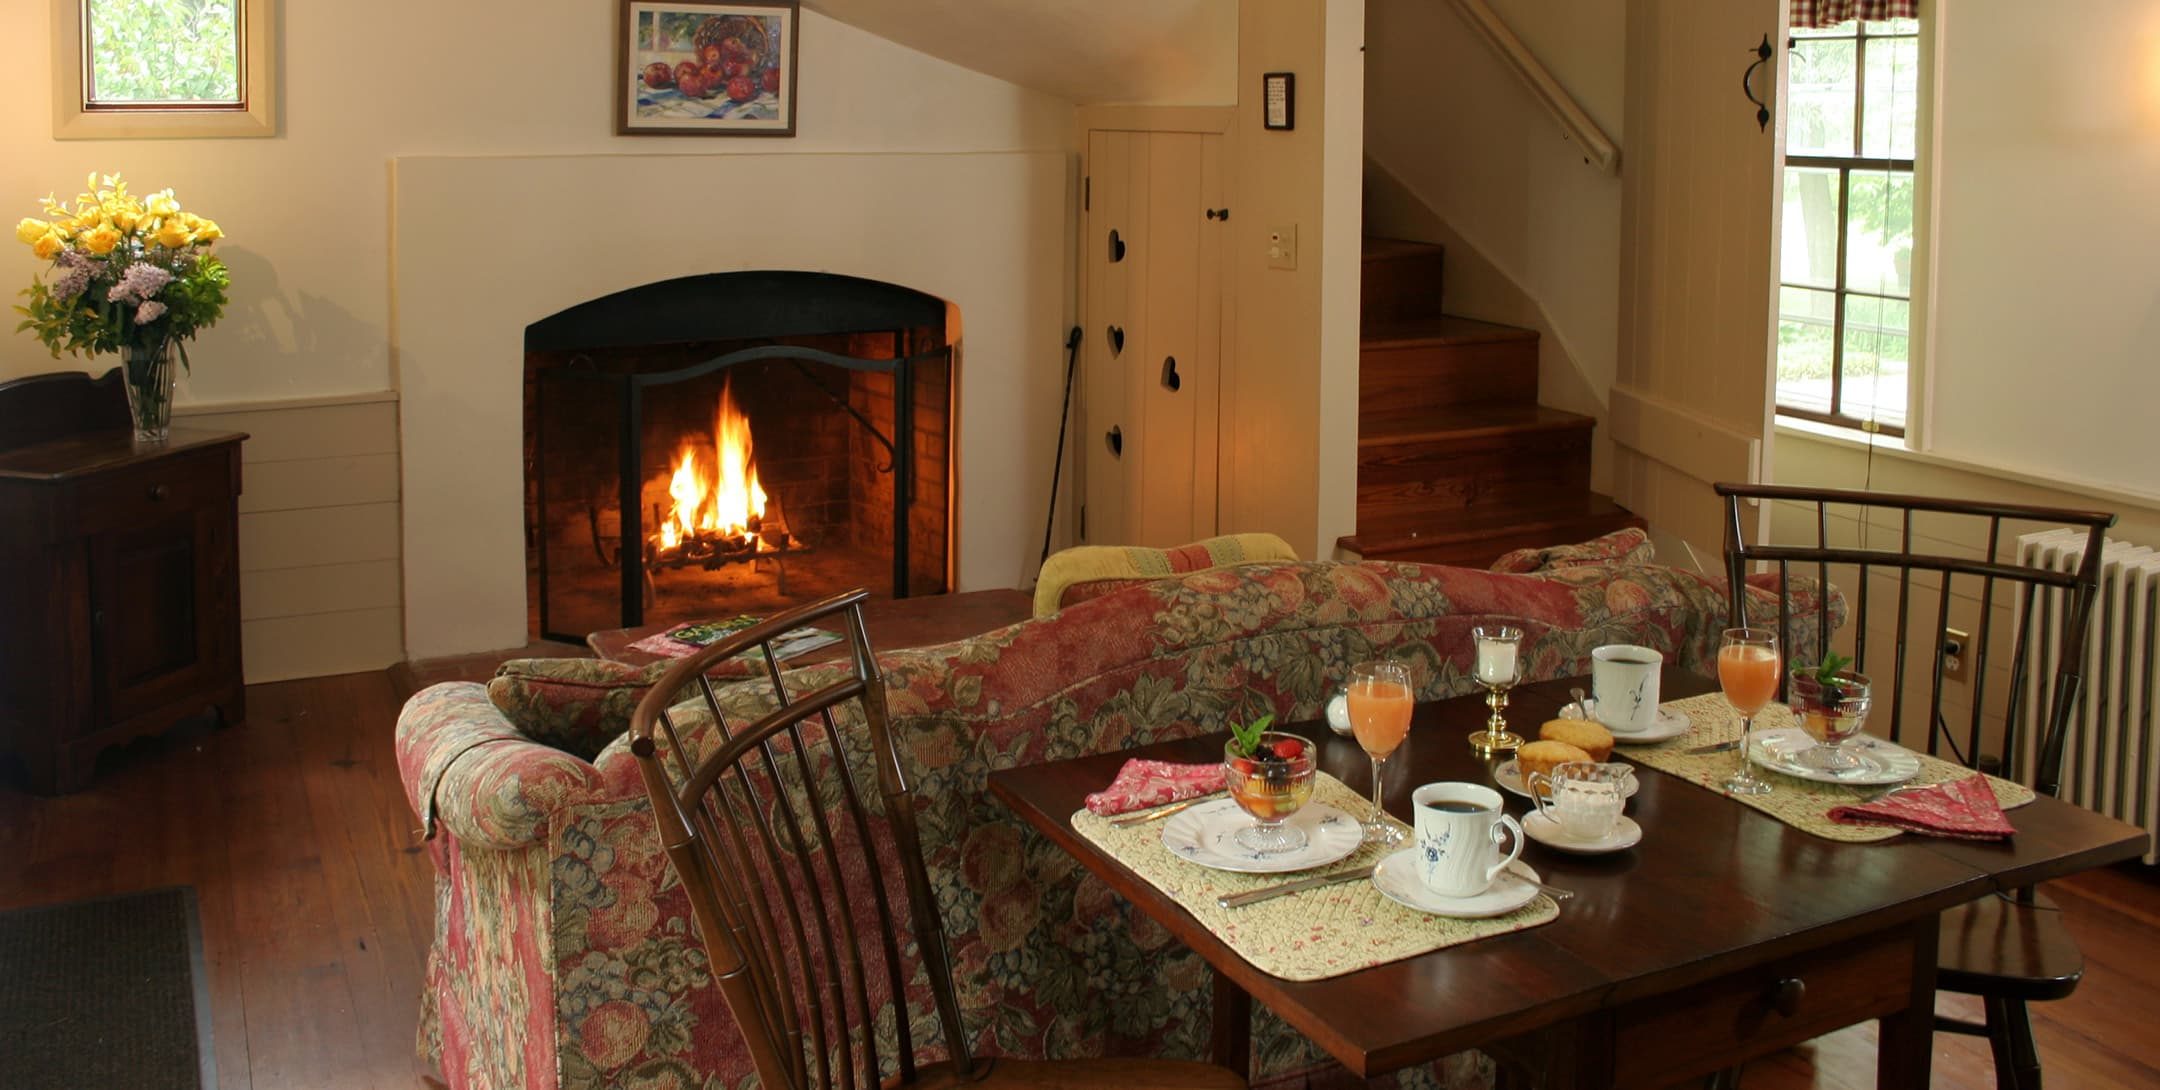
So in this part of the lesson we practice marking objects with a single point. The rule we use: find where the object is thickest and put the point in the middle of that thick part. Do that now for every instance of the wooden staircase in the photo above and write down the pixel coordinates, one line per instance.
(1457, 462)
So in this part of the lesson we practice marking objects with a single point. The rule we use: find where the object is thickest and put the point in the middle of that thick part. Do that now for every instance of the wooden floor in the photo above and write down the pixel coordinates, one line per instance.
(316, 907)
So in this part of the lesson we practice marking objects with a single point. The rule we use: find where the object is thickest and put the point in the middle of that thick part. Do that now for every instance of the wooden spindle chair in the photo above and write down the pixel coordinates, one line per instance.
(806, 887)
(2007, 950)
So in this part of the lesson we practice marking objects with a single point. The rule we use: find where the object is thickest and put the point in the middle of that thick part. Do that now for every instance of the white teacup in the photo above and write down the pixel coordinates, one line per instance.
(1583, 798)
(1458, 837)
(1624, 681)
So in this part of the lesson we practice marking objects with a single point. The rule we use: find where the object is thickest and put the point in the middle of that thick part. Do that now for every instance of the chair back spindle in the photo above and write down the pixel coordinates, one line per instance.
(2060, 600)
(786, 861)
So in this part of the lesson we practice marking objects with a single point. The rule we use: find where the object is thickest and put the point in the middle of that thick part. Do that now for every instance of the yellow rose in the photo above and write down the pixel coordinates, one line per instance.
(173, 234)
(124, 214)
(162, 204)
(29, 231)
(101, 239)
(208, 231)
(48, 246)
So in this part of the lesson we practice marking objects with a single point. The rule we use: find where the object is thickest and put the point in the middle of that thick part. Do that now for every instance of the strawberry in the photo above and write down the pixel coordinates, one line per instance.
(1289, 749)
(1244, 766)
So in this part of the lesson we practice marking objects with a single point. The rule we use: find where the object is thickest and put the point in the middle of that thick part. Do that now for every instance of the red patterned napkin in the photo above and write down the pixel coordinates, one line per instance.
(1141, 784)
(1965, 809)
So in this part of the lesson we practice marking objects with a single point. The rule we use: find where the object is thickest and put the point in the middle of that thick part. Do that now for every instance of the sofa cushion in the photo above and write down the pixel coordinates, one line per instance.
(1091, 571)
(575, 705)
(1629, 546)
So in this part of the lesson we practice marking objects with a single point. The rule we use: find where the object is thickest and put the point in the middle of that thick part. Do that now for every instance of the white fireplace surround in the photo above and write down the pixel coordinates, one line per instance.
(486, 246)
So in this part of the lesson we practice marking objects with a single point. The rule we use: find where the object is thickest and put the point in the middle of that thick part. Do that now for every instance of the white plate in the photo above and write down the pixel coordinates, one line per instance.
(1546, 831)
(1396, 877)
(1203, 835)
(1508, 774)
(1670, 724)
(1880, 762)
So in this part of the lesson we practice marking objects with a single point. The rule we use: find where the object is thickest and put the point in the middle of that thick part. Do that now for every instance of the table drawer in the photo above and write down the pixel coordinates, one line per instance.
(1720, 1022)
(144, 493)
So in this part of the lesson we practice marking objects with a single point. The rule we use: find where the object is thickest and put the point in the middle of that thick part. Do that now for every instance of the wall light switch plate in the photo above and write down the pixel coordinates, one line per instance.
(1282, 247)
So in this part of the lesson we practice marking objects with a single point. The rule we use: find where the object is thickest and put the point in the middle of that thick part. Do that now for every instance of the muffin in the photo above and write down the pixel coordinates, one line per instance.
(1591, 738)
(1545, 755)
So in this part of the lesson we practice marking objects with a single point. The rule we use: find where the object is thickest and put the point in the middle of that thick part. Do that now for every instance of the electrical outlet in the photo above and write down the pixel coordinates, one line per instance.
(1955, 643)
(1282, 247)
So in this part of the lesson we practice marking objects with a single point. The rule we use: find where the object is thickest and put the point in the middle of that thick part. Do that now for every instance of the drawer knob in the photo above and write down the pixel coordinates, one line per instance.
(1785, 995)
(158, 492)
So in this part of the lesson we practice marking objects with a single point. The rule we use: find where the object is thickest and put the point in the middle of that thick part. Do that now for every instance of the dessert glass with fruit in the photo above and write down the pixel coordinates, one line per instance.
(1270, 774)
(1830, 702)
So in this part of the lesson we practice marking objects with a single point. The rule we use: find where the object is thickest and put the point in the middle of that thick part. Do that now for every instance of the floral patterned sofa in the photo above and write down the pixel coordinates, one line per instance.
(564, 954)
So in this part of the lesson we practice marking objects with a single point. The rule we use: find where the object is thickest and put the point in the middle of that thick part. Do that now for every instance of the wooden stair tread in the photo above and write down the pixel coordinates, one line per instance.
(1403, 534)
(1375, 248)
(1409, 425)
(1443, 329)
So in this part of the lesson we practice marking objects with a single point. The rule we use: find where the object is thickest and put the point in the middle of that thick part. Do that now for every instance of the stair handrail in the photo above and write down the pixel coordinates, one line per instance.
(1598, 149)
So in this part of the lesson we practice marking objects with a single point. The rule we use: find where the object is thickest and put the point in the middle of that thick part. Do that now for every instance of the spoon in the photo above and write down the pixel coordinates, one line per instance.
(1580, 706)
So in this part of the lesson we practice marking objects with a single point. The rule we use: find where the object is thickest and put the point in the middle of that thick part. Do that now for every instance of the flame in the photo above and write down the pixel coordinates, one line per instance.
(715, 490)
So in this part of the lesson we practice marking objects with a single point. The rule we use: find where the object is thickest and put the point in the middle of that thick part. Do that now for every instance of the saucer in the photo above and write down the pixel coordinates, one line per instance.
(1396, 877)
(1204, 834)
(1670, 724)
(1508, 774)
(1880, 762)
(1546, 831)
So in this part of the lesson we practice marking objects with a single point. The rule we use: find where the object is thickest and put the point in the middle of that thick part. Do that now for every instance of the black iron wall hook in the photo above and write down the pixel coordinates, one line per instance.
(1763, 53)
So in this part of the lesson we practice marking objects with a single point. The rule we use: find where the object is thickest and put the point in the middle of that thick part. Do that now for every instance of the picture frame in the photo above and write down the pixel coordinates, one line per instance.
(706, 67)
(1278, 100)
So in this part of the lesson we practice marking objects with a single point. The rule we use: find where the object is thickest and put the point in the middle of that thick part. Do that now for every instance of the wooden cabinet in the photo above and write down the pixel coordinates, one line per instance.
(120, 576)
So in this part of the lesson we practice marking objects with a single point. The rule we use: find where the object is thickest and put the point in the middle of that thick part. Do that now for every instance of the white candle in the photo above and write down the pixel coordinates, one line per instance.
(1495, 661)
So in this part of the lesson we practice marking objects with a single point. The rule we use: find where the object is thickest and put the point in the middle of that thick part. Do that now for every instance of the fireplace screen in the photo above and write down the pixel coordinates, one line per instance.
(784, 439)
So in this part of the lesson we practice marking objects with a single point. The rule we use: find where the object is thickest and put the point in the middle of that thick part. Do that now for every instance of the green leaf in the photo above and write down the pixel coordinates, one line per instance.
(1248, 735)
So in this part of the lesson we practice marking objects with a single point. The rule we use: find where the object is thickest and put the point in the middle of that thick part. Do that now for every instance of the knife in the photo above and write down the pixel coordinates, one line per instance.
(1714, 747)
(1252, 897)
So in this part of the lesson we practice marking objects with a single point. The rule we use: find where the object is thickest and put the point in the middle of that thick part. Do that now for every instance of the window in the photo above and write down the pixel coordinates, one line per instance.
(135, 68)
(1845, 312)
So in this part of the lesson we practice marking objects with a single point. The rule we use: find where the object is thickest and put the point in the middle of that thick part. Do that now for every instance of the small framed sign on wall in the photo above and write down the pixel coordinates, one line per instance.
(1278, 98)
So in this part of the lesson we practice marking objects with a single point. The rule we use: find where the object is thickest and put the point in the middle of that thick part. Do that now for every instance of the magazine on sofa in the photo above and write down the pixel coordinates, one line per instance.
(694, 636)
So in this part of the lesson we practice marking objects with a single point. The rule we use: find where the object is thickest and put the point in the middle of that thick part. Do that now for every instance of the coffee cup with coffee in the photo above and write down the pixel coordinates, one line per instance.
(1624, 682)
(1459, 829)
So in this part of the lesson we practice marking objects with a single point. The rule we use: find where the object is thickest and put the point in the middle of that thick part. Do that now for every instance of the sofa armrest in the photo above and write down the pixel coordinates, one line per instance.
(466, 766)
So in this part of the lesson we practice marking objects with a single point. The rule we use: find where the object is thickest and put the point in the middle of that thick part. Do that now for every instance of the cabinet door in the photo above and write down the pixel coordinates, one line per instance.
(149, 616)
(1153, 331)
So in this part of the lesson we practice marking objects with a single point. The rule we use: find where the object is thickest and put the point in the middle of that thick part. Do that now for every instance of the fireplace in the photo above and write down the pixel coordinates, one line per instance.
(735, 443)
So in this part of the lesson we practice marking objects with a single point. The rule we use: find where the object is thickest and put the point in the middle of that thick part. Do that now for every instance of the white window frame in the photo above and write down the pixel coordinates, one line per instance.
(75, 119)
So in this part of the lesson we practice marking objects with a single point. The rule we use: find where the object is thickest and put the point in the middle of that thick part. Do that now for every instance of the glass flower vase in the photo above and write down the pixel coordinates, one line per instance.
(147, 372)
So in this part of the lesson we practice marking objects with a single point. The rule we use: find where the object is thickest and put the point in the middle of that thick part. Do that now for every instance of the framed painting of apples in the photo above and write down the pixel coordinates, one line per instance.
(689, 68)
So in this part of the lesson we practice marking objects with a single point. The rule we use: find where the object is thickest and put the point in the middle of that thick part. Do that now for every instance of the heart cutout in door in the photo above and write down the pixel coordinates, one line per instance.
(1170, 378)
(1115, 439)
(1117, 341)
(1117, 247)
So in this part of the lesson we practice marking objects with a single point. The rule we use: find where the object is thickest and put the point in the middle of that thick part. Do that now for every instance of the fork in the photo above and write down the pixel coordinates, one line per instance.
(1554, 892)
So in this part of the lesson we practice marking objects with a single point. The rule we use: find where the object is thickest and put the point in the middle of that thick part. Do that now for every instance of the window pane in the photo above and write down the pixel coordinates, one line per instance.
(1808, 249)
(163, 51)
(1892, 26)
(1879, 232)
(1893, 98)
(1848, 28)
(1807, 323)
(1820, 119)
(1877, 345)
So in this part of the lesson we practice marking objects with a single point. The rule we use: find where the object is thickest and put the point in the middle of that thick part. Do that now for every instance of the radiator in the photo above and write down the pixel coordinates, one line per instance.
(2111, 759)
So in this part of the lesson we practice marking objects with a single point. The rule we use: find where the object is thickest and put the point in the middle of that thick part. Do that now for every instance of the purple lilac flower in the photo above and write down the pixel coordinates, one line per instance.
(141, 281)
(71, 282)
(150, 311)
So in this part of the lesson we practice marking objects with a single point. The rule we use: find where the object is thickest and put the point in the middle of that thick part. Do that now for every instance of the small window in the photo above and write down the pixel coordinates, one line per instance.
(1845, 312)
(137, 68)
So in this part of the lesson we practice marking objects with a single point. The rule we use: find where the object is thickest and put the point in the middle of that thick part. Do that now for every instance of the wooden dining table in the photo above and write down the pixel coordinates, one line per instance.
(1723, 936)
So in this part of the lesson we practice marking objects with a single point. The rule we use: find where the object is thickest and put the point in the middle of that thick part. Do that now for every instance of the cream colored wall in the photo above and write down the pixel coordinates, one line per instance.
(319, 586)
(307, 213)
(1452, 126)
(2046, 307)
(1285, 437)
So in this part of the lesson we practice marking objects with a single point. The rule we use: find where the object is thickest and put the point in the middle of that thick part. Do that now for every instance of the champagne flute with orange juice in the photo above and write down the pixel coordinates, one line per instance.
(1380, 700)
(1747, 667)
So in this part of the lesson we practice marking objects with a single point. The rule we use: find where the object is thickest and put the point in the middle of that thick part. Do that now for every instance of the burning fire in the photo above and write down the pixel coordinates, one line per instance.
(716, 490)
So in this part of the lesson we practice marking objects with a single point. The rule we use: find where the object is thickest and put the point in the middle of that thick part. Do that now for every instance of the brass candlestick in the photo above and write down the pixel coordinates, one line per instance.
(1498, 668)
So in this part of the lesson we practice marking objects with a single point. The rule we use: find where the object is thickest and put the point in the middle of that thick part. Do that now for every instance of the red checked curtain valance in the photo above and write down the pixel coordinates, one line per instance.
(1808, 14)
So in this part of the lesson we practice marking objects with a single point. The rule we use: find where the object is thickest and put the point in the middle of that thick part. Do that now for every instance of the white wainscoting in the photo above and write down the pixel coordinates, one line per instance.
(319, 541)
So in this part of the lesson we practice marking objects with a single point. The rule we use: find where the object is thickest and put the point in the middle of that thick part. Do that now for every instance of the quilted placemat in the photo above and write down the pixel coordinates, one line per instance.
(1313, 934)
(1802, 804)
